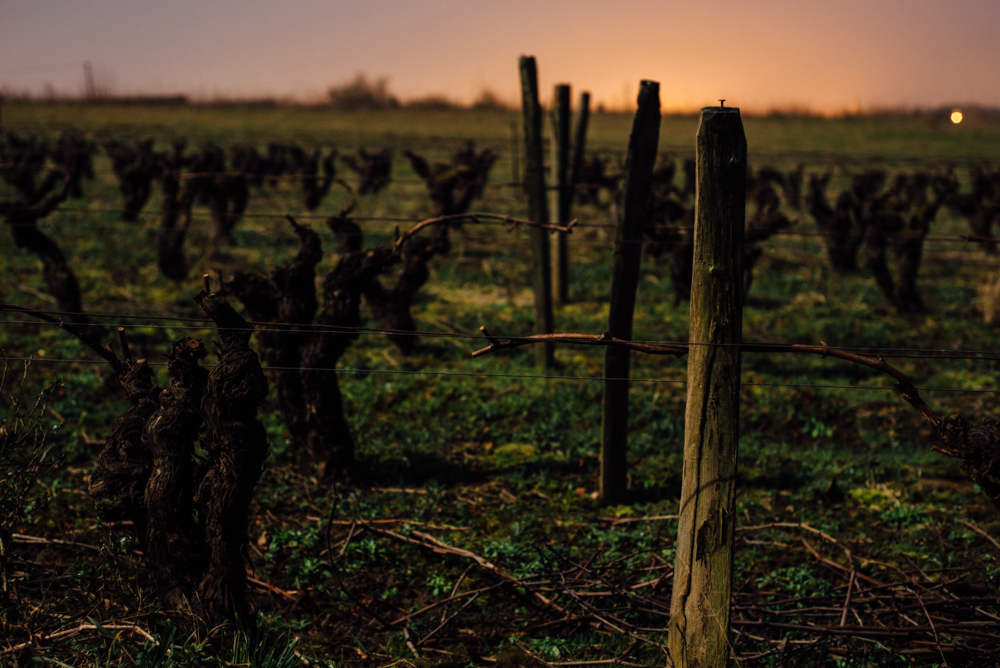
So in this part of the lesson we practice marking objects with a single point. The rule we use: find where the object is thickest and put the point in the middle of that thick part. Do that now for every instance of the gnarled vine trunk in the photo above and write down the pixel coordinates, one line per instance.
(190, 519)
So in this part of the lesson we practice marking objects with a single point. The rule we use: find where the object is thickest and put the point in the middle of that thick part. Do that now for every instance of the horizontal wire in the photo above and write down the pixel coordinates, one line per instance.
(405, 372)
(204, 214)
(291, 176)
(971, 246)
(313, 328)
(805, 217)
(278, 216)
(57, 360)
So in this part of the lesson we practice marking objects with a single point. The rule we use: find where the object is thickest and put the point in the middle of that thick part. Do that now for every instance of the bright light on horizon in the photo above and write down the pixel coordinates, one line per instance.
(956, 116)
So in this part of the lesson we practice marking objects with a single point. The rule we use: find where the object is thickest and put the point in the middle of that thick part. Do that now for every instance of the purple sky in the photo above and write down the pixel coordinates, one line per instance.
(829, 55)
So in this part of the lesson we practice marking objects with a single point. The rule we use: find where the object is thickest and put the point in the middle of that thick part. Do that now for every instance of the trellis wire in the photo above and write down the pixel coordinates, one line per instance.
(411, 372)
(307, 328)
(279, 217)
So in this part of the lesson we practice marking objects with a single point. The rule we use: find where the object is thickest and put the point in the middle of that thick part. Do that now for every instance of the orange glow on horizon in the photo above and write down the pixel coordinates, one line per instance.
(781, 57)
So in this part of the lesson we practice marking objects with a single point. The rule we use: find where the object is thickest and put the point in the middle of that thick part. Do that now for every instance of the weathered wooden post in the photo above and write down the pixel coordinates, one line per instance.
(699, 609)
(563, 193)
(88, 81)
(639, 162)
(534, 183)
(579, 142)
(515, 153)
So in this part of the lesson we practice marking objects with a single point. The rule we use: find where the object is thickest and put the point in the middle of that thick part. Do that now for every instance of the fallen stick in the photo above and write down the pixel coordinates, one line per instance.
(440, 547)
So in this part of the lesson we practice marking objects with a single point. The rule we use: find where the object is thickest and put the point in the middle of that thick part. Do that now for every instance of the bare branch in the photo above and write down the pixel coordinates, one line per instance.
(476, 217)
(105, 353)
(906, 388)
(675, 349)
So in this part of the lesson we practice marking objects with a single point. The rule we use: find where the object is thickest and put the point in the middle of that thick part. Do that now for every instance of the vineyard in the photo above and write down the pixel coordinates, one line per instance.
(218, 318)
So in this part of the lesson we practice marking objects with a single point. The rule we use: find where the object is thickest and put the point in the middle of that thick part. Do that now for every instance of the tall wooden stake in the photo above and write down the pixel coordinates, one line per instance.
(88, 81)
(639, 162)
(579, 141)
(534, 182)
(563, 193)
(515, 153)
(699, 609)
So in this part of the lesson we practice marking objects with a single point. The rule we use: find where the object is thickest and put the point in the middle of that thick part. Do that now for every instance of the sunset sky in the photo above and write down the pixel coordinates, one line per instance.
(829, 56)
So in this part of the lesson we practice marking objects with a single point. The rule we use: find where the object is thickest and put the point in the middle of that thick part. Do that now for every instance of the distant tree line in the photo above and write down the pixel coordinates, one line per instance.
(363, 92)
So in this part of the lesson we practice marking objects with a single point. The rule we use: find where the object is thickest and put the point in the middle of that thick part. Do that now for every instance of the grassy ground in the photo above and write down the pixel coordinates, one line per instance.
(847, 516)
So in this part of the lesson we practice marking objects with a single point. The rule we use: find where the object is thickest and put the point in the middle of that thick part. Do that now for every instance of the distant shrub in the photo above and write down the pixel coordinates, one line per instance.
(488, 99)
(362, 93)
(431, 103)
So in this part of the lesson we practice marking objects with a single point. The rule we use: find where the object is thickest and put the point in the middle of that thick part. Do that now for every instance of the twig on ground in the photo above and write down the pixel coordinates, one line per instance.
(440, 547)
(982, 533)
(804, 527)
(930, 621)
(36, 540)
(443, 601)
(835, 565)
(847, 599)
(446, 620)
(532, 654)
(66, 633)
(409, 643)
(270, 588)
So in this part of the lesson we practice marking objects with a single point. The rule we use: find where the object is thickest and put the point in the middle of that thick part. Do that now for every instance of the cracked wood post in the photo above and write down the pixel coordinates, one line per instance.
(699, 609)
(642, 147)
(563, 193)
(534, 181)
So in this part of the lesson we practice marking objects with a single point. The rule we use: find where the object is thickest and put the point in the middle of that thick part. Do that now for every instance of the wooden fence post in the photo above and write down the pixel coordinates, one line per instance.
(579, 142)
(515, 153)
(563, 192)
(639, 162)
(534, 181)
(699, 609)
(88, 81)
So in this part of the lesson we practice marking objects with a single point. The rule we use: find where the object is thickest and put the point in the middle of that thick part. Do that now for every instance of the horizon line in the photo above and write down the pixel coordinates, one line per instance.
(441, 102)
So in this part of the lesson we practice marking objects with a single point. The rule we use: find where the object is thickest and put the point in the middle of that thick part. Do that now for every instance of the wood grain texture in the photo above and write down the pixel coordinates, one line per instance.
(699, 614)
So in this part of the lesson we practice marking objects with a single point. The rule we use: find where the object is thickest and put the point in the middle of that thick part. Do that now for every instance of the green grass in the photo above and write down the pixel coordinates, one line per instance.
(486, 456)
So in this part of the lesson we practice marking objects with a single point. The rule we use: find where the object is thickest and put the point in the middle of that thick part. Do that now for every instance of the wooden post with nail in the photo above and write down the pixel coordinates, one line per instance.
(563, 192)
(534, 182)
(639, 162)
(699, 608)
